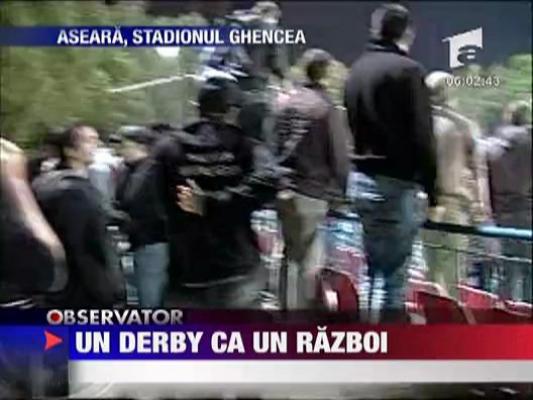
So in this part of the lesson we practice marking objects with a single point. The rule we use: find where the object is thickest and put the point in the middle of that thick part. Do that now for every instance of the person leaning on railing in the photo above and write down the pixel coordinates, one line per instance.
(458, 185)
(509, 162)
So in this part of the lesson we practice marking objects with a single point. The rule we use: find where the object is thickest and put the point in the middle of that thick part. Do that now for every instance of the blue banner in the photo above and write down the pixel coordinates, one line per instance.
(120, 36)
(44, 346)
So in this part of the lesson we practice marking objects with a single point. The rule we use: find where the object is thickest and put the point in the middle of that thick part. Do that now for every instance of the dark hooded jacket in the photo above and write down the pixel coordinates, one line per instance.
(233, 173)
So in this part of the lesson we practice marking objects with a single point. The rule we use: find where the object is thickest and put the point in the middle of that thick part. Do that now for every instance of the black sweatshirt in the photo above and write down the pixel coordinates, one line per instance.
(236, 179)
(389, 114)
(138, 199)
(74, 209)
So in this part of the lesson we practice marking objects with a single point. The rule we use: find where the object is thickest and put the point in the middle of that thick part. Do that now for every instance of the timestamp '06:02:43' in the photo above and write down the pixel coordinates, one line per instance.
(474, 81)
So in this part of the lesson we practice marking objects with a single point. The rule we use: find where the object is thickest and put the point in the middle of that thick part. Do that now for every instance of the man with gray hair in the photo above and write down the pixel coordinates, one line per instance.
(312, 143)
(459, 198)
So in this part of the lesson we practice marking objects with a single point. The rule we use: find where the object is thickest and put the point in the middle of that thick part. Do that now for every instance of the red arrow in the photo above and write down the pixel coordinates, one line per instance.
(51, 340)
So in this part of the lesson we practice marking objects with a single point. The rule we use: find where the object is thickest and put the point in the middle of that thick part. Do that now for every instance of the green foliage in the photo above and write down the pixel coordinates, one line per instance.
(42, 88)
(485, 104)
(47, 87)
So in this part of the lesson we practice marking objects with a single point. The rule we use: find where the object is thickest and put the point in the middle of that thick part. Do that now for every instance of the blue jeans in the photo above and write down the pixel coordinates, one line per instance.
(391, 214)
(150, 264)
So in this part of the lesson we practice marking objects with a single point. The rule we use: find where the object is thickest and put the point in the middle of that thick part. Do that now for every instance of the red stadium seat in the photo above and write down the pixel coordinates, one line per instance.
(439, 309)
(476, 298)
(519, 307)
(503, 316)
(417, 285)
(479, 302)
(331, 281)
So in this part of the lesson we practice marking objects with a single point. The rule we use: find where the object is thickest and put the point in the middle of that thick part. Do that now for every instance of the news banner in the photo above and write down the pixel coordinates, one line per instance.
(172, 333)
(146, 36)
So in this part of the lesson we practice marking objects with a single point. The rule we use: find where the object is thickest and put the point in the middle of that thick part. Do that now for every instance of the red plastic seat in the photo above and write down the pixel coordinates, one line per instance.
(476, 298)
(417, 285)
(340, 283)
(503, 316)
(439, 309)
(519, 307)
(479, 302)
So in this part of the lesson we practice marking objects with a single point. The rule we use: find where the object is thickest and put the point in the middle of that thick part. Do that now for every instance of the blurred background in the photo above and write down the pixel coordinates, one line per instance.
(45, 87)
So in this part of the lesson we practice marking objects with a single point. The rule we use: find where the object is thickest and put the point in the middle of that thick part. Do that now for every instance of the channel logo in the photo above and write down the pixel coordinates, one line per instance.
(114, 317)
(464, 47)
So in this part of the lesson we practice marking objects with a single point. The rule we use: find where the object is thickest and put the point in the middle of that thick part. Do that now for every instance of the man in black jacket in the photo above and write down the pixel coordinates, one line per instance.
(145, 224)
(313, 145)
(205, 174)
(390, 116)
(75, 210)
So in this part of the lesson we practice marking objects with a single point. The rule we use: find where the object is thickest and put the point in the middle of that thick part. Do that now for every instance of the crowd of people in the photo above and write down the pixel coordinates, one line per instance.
(185, 196)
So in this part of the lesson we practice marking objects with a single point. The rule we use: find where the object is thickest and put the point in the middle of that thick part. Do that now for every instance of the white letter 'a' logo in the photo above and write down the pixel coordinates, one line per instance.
(464, 47)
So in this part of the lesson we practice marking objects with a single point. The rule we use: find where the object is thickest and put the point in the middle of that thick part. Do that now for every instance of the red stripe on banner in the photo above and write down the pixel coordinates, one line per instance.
(442, 342)
(425, 342)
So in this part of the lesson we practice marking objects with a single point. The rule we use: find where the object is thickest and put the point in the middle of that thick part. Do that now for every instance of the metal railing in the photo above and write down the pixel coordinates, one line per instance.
(479, 263)
(479, 230)
(344, 251)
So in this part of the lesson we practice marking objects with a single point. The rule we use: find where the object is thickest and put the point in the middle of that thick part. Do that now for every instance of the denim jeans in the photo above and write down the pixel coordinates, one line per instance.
(391, 213)
(150, 263)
